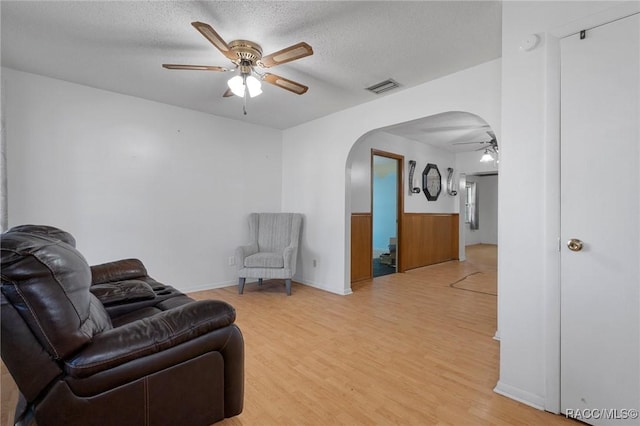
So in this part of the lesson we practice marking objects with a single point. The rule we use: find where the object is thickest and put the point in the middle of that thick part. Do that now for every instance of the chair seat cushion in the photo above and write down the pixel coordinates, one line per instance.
(264, 260)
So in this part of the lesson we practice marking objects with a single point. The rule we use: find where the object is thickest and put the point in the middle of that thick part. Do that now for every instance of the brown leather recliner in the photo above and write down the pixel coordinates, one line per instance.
(108, 345)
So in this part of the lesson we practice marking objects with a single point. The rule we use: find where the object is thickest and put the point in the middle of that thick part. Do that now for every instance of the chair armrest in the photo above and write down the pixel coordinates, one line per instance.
(244, 251)
(120, 270)
(149, 335)
(290, 255)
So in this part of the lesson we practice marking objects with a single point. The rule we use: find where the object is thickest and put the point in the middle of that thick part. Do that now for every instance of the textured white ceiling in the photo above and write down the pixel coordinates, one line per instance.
(120, 46)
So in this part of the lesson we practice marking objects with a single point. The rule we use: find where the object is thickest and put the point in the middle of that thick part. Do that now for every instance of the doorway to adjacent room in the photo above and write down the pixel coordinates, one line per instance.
(385, 171)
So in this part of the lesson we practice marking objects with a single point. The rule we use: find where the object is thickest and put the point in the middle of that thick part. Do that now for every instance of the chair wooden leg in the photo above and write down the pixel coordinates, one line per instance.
(287, 283)
(241, 285)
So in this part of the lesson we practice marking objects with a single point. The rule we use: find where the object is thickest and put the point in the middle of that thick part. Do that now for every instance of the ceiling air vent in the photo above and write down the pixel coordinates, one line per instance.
(383, 86)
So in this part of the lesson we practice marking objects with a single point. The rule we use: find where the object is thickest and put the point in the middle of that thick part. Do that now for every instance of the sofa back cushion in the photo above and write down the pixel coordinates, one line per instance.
(47, 231)
(120, 270)
(47, 281)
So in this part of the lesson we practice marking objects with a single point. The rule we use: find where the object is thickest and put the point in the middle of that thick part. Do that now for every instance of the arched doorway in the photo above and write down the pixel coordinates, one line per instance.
(433, 231)
(451, 140)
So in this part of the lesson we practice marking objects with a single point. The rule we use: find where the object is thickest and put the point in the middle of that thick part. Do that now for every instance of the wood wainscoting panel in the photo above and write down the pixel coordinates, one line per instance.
(428, 238)
(361, 247)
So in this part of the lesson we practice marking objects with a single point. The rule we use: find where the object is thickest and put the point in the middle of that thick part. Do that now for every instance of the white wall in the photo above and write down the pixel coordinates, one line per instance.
(360, 163)
(529, 192)
(487, 232)
(316, 179)
(133, 178)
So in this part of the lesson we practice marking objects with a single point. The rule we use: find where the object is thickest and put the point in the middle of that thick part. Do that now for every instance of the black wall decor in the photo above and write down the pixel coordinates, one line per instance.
(431, 182)
(450, 184)
(412, 169)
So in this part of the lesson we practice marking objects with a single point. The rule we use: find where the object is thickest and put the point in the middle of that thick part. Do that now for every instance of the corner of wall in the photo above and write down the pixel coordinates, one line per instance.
(528, 398)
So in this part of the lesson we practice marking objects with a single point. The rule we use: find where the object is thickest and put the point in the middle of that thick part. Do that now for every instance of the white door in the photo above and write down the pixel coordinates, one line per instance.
(600, 191)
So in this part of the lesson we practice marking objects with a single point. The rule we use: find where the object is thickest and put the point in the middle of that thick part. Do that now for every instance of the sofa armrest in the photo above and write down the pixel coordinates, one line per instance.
(120, 270)
(243, 251)
(149, 335)
(122, 292)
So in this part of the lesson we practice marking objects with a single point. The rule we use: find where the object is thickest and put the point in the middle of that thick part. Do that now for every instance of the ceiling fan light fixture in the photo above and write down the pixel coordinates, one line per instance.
(237, 85)
(254, 86)
(486, 157)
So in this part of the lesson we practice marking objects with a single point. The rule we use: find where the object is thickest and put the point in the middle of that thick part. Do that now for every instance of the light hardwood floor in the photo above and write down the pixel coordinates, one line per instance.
(412, 349)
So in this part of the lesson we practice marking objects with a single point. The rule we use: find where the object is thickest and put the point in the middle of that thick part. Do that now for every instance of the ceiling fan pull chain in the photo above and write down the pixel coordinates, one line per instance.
(244, 98)
(244, 102)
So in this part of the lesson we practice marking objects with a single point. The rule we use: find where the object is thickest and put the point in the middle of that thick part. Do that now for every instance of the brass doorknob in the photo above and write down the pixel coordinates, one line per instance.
(574, 244)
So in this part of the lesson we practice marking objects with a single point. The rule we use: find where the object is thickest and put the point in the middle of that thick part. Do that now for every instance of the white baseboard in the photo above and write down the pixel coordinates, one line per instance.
(341, 292)
(207, 286)
(528, 398)
(213, 286)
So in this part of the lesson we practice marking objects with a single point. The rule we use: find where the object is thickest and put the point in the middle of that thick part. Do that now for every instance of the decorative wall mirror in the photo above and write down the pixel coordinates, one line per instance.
(431, 182)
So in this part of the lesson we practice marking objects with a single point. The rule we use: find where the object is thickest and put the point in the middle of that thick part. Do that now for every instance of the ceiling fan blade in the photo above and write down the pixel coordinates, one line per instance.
(210, 34)
(227, 94)
(468, 143)
(194, 67)
(493, 149)
(285, 55)
(284, 83)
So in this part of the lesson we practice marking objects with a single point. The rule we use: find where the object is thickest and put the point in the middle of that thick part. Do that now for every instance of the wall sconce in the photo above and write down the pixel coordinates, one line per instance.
(450, 189)
(412, 169)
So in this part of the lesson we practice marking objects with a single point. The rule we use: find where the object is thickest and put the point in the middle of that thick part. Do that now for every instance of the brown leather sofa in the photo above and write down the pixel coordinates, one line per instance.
(109, 345)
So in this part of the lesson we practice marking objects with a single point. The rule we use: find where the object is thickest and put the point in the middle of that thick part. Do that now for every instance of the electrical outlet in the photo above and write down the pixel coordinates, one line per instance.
(315, 263)
(231, 261)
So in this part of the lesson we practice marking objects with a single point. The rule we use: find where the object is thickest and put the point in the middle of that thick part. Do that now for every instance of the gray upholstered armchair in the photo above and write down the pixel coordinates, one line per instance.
(273, 250)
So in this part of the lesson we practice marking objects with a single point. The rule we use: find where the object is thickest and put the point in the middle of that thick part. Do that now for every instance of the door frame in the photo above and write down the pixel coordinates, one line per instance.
(551, 161)
(399, 201)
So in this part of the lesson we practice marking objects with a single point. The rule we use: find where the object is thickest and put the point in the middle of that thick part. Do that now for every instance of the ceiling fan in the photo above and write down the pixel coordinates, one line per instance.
(488, 147)
(247, 56)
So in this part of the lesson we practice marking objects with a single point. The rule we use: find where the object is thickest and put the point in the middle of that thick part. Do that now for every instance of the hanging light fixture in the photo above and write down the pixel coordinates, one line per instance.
(245, 81)
(254, 86)
(236, 84)
(240, 83)
(486, 157)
